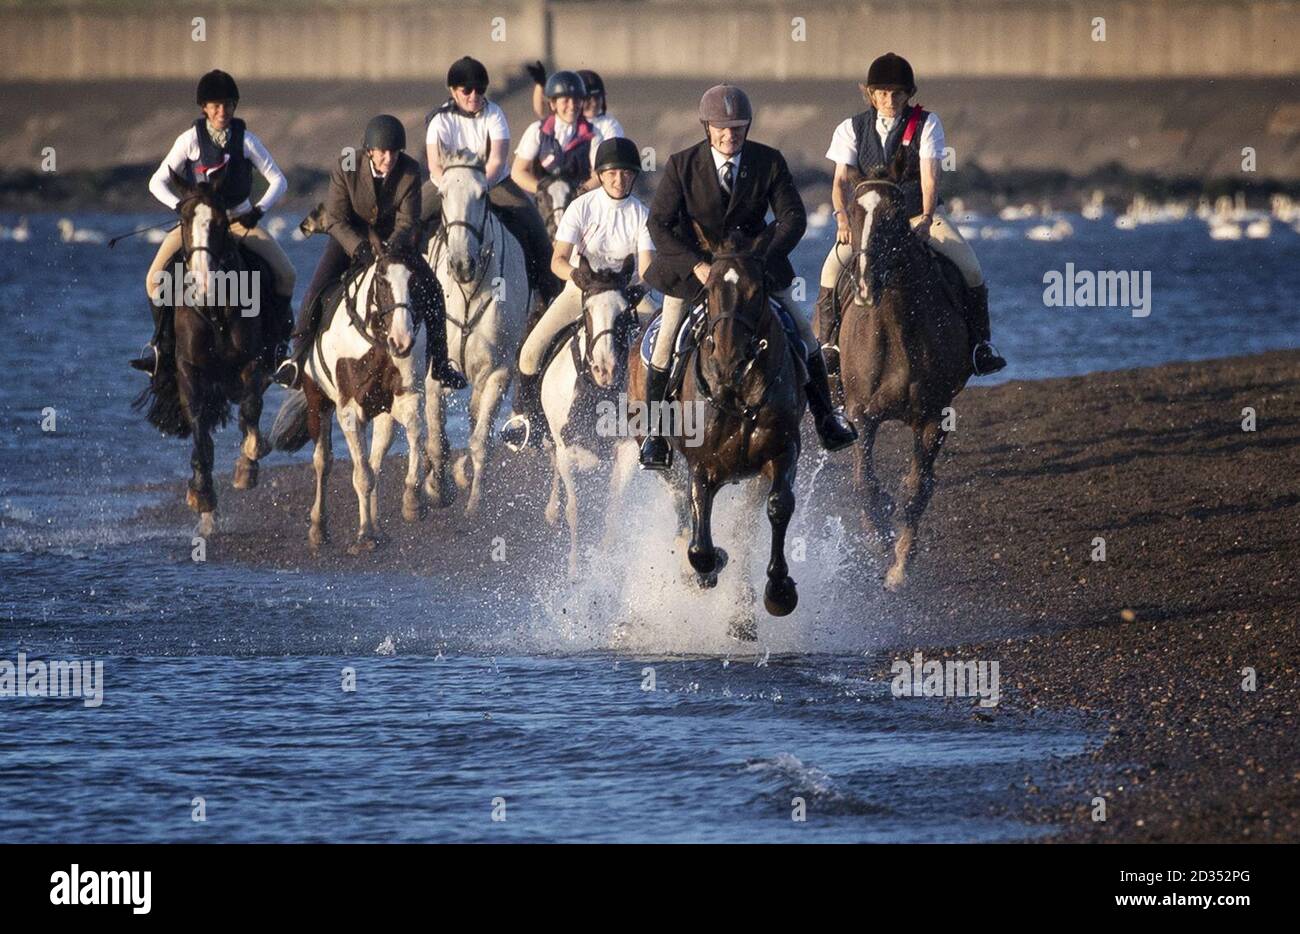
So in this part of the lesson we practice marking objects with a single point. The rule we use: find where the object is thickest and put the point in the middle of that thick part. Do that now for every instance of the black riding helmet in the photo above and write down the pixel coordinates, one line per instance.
(618, 153)
(891, 71)
(467, 73)
(384, 132)
(591, 81)
(216, 85)
(565, 84)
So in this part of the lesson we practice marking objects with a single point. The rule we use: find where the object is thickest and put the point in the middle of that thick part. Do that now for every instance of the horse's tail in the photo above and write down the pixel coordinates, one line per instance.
(290, 431)
(161, 402)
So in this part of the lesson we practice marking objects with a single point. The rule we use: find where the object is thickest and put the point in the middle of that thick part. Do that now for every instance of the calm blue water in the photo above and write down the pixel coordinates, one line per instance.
(224, 682)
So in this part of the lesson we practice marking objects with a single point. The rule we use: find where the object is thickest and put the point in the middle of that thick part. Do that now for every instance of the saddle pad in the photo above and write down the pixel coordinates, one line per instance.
(685, 335)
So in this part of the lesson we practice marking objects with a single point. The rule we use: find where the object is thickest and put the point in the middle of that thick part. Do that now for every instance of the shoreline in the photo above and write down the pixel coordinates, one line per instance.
(1201, 522)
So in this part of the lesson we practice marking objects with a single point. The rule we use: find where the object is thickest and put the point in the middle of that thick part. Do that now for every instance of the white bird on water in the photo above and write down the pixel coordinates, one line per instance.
(69, 233)
(1053, 233)
(18, 234)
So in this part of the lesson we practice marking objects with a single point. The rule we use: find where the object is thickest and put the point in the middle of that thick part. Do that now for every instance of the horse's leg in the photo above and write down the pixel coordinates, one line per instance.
(436, 446)
(406, 410)
(254, 447)
(564, 462)
(381, 439)
(780, 596)
(201, 497)
(917, 487)
(553, 503)
(485, 414)
(322, 459)
(362, 482)
(878, 508)
(701, 553)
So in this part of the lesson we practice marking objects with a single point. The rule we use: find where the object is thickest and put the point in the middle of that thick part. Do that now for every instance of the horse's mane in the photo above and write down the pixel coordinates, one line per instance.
(460, 157)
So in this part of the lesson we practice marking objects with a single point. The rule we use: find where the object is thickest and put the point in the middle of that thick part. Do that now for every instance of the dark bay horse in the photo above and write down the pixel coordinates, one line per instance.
(745, 380)
(223, 346)
(904, 355)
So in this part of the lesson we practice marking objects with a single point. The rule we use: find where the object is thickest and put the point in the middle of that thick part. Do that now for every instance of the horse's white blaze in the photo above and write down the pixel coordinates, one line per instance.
(199, 265)
(731, 276)
(400, 330)
(604, 308)
(870, 200)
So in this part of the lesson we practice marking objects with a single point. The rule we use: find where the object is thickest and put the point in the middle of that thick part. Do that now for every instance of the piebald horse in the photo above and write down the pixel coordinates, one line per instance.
(480, 266)
(904, 356)
(362, 369)
(222, 352)
(581, 388)
(749, 386)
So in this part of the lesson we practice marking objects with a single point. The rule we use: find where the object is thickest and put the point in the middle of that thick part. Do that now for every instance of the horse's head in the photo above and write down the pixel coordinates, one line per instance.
(464, 211)
(314, 222)
(553, 196)
(388, 308)
(607, 315)
(881, 234)
(205, 227)
(737, 309)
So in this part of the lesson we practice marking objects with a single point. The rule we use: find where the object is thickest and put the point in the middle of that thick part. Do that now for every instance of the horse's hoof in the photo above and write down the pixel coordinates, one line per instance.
(207, 524)
(317, 536)
(704, 562)
(780, 597)
(363, 545)
(413, 508)
(707, 581)
(245, 474)
(895, 579)
(439, 497)
(201, 502)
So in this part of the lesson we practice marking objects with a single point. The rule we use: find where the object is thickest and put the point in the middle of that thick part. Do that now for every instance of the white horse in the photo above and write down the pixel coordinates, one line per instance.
(361, 368)
(581, 388)
(480, 266)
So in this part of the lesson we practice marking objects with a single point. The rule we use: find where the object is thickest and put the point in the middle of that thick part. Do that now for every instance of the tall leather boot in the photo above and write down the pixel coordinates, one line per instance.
(289, 373)
(151, 354)
(833, 428)
(524, 428)
(828, 328)
(436, 321)
(984, 358)
(656, 452)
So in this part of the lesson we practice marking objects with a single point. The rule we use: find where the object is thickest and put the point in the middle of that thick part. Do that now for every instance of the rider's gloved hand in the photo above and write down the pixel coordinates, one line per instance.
(251, 218)
(536, 71)
(364, 254)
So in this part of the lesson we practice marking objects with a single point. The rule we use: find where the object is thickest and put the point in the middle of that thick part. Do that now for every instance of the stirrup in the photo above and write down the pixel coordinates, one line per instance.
(143, 363)
(974, 363)
(510, 432)
(287, 374)
(649, 462)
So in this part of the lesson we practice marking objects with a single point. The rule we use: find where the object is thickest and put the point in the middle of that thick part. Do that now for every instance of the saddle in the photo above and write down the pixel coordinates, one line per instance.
(690, 332)
(951, 281)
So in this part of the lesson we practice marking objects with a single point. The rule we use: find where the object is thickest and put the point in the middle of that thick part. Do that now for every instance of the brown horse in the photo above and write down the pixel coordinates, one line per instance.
(904, 355)
(223, 352)
(747, 383)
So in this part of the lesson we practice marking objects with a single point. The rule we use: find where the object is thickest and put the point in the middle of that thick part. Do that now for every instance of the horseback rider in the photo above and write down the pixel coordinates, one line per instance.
(604, 226)
(468, 121)
(724, 183)
(371, 208)
(562, 145)
(870, 141)
(219, 141)
(593, 108)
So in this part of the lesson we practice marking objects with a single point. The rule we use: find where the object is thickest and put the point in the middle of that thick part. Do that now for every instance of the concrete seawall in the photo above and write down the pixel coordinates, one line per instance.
(781, 39)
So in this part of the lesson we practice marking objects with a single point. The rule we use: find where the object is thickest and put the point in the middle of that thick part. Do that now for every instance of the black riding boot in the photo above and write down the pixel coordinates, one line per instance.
(656, 452)
(281, 329)
(289, 373)
(828, 329)
(984, 359)
(524, 428)
(834, 429)
(159, 344)
(436, 320)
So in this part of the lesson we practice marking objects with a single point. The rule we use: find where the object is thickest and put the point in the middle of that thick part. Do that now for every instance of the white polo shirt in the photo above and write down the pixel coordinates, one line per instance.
(608, 127)
(605, 231)
(456, 131)
(844, 142)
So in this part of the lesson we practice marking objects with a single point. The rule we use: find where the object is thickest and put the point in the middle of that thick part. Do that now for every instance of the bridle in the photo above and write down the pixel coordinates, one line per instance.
(618, 330)
(374, 326)
(479, 232)
(755, 347)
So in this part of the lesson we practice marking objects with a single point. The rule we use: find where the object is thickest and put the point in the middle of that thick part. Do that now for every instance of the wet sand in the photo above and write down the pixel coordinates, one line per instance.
(1201, 522)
